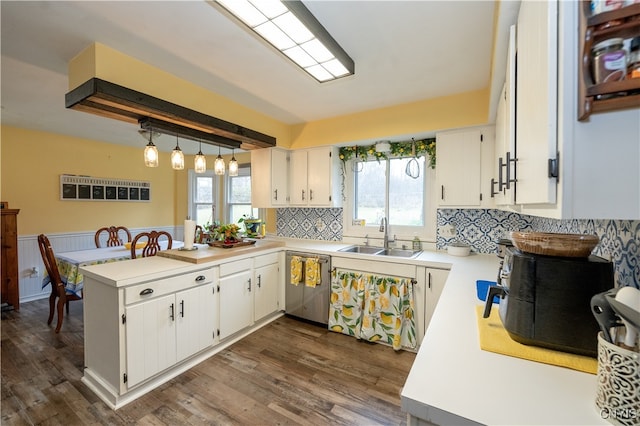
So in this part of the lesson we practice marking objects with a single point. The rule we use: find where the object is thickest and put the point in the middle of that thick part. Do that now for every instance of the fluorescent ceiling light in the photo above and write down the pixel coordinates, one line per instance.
(291, 28)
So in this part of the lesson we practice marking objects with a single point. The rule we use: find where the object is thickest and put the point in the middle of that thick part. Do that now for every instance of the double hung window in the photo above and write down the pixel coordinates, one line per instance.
(383, 189)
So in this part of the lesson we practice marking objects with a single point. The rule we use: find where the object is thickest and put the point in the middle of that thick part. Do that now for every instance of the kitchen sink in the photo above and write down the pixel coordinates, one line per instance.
(379, 251)
(399, 252)
(362, 249)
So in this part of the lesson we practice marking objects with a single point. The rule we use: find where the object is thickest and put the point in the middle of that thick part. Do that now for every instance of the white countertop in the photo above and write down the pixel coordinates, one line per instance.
(452, 379)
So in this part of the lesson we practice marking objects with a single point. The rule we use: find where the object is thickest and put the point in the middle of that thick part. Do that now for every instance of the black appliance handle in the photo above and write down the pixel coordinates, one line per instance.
(494, 290)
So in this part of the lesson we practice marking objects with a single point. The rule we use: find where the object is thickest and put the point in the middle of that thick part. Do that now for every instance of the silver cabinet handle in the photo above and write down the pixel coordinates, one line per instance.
(146, 291)
(259, 280)
(171, 315)
(200, 278)
(249, 284)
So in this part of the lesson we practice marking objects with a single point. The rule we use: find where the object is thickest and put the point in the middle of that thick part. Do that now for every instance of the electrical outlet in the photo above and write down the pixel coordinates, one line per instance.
(448, 230)
(34, 272)
(320, 225)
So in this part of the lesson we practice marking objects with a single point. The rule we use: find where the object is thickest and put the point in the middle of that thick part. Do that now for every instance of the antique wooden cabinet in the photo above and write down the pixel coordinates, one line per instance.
(9, 243)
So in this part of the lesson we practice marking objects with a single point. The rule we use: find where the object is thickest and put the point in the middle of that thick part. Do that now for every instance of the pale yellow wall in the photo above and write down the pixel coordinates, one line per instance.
(108, 64)
(33, 161)
(450, 112)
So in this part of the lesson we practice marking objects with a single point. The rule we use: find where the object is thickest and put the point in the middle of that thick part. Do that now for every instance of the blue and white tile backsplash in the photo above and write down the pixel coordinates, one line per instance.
(482, 228)
(309, 224)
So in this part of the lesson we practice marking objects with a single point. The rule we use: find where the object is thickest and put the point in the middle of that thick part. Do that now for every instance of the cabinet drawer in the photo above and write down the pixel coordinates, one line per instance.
(164, 286)
(235, 267)
(266, 259)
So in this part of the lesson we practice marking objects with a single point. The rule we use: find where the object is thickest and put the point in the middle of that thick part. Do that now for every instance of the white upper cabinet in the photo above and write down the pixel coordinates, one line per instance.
(595, 161)
(503, 185)
(269, 177)
(461, 156)
(315, 177)
(536, 102)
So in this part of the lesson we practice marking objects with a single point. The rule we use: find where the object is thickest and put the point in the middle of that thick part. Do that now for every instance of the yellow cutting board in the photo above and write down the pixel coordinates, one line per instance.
(494, 338)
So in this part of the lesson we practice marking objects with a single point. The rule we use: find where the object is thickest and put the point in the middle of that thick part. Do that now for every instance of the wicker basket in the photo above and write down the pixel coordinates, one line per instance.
(550, 244)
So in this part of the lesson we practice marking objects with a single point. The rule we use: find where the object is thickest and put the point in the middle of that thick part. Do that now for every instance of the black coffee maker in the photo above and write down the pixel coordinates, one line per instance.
(546, 300)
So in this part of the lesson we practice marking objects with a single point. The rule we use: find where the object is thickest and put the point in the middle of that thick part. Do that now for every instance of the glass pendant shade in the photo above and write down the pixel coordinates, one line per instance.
(233, 166)
(177, 157)
(150, 154)
(218, 165)
(200, 163)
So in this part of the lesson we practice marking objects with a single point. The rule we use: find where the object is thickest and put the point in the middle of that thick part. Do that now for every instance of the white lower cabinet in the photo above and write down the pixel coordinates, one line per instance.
(236, 297)
(249, 291)
(435, 279)
(267, 288)
(165, 329)
(430, 283)
(151, 338)
(169, 329)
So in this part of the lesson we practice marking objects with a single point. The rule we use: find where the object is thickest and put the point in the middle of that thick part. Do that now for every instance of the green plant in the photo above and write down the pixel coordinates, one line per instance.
(398, 150)
(227, 233)
(251, 224)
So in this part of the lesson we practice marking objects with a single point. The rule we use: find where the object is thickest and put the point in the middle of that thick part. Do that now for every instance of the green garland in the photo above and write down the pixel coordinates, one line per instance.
(398, 149)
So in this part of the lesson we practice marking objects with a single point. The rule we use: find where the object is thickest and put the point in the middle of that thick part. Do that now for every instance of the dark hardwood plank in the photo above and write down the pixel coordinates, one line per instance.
(287, 373)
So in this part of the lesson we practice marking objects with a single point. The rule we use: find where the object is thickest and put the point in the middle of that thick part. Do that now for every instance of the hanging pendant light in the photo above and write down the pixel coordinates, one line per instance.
(177, 157)
(200, 163)
(150, 153)
(218, 165)
(233, 165)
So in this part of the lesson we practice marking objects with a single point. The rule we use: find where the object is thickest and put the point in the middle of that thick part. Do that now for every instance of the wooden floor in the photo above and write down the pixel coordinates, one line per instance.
(288, 372)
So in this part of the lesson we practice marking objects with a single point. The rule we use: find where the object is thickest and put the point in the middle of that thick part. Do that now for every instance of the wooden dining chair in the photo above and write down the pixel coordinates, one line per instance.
(58, 290)
(152, 238)
(113, 236)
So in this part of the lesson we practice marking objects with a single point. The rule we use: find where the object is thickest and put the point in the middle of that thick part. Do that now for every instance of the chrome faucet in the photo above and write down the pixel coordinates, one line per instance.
(384, 227)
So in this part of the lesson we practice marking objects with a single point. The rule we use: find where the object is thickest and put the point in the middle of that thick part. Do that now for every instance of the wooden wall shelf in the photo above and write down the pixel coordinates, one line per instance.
(609, 96)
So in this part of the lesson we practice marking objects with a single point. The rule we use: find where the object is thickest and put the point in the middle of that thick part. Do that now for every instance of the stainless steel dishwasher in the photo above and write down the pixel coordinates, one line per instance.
(309, 303)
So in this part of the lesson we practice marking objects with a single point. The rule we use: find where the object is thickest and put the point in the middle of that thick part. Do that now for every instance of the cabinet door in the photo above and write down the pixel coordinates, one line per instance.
(536, 110)
(266, 290)
(319, 176)
(236, 302)
(279, 177)
(150, 337)
(196, 312)
(298, 184)
(269, 177)
(435, 280)
(458, 169)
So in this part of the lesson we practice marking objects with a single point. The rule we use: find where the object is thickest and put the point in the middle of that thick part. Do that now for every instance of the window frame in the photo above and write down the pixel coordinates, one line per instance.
(425, 233)
(227, 185)
(192, 189)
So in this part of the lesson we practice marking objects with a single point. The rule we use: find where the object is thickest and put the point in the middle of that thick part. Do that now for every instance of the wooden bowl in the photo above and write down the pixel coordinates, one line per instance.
(551, 244)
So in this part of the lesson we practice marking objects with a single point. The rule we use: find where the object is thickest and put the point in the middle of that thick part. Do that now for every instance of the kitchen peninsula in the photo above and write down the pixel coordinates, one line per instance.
(451, 382)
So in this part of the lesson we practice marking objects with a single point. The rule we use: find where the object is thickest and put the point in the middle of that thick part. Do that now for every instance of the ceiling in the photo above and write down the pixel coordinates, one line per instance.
(403, 51)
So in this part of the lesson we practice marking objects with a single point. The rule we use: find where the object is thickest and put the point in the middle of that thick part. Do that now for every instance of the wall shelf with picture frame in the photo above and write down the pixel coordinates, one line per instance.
(88, 188)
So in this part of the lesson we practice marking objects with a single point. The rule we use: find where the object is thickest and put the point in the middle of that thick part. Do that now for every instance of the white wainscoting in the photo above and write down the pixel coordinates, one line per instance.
(29, 256)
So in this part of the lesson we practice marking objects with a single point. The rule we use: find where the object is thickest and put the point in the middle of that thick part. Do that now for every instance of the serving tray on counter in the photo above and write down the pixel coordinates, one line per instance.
(222, 244)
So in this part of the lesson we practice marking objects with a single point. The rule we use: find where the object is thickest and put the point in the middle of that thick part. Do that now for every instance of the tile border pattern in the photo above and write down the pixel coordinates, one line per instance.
(482, 228)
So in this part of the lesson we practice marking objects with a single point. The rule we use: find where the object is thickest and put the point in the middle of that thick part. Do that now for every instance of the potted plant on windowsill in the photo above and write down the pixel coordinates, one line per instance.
(251, 225)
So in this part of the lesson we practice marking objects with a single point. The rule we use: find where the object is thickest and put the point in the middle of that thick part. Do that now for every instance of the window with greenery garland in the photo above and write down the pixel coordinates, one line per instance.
(423, 147)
